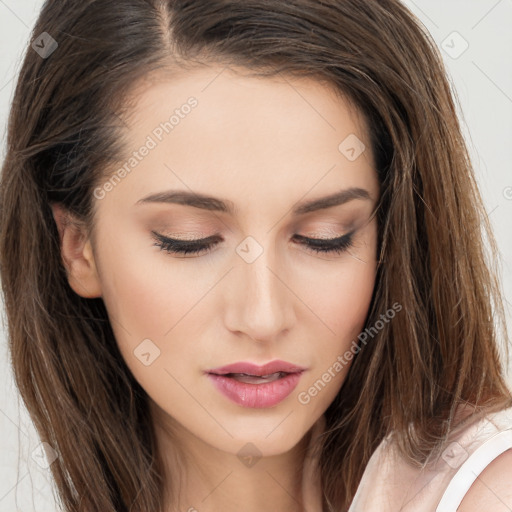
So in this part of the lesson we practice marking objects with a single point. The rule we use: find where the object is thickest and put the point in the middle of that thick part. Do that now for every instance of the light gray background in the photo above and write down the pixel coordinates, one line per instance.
(482, 78)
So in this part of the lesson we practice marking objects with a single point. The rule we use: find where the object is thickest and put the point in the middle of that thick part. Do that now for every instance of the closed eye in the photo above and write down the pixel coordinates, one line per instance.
(317, 245)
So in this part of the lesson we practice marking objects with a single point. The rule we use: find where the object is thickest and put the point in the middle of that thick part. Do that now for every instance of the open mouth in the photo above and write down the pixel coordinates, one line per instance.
(255, 379)
(256, 391)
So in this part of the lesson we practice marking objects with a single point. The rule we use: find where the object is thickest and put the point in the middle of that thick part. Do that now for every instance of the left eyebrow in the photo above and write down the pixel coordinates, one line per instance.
(205, 202)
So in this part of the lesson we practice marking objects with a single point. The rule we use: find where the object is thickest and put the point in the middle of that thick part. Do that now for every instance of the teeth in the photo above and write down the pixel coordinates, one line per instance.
(254, 379)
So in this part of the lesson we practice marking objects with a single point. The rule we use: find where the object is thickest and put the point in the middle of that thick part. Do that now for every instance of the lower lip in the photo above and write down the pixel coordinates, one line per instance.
(256, 395)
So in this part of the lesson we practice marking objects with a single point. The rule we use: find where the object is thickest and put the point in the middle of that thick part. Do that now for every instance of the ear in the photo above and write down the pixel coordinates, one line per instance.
(77, 254)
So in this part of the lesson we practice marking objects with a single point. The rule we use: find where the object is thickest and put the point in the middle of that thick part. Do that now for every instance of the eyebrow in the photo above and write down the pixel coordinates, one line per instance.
(205, 202)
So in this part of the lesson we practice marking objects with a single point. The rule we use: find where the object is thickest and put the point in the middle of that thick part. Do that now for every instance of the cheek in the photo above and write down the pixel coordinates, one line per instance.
(149, 310)
(340, 299)
(146, 299)
(341, 294)
(342, 303)
(346, 303)
(143, 291)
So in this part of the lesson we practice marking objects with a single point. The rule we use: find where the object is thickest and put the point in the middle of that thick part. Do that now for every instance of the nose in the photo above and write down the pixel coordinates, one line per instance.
(259, 301)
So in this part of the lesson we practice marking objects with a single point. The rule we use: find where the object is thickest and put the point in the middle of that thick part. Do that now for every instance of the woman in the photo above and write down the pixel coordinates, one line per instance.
(242, 263)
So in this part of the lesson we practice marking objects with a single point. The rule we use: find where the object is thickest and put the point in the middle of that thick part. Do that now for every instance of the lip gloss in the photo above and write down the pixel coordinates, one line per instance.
(256, 395)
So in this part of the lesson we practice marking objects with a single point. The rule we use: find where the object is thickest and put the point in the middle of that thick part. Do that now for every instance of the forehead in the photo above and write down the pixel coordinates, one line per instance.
(256, 136)
(230, 95)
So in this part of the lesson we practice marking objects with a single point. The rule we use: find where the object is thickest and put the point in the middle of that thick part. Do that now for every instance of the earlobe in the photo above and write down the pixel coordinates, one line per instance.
(77, 254)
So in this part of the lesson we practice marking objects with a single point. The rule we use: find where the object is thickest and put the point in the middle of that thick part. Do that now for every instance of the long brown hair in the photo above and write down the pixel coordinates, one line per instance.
(64, 132)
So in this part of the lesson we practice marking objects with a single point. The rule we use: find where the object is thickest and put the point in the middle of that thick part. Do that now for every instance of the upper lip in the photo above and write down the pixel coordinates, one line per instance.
(259, 371)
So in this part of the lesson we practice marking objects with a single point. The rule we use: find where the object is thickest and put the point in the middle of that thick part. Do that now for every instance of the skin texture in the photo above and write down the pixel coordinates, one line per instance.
(264, 144)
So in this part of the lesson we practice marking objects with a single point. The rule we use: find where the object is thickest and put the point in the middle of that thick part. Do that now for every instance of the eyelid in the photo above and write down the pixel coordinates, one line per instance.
(205, 240)
(321, 239)
(327, 246)
(214, 238)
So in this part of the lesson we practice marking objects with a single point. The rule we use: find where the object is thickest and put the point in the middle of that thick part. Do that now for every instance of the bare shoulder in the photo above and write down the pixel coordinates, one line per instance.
(492, 490)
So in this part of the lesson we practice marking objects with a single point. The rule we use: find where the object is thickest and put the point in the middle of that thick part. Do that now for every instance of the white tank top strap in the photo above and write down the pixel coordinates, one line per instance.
(390, 483)
(473, 466)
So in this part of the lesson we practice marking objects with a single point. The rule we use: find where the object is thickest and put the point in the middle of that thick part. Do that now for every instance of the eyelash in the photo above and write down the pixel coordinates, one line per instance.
(316, 245)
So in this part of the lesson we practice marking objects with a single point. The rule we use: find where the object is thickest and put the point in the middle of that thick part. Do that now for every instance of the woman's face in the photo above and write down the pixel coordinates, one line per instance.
(250, 158)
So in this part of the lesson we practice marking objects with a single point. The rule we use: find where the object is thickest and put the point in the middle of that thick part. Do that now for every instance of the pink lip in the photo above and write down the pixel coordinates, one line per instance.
(254, 369)
(256, 395)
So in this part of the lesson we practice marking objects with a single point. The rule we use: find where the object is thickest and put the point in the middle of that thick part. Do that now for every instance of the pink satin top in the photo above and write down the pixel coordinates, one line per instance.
(391, 484)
